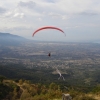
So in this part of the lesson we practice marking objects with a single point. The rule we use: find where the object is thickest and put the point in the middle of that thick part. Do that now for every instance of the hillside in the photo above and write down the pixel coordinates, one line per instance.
(25, 90)
(10, 39)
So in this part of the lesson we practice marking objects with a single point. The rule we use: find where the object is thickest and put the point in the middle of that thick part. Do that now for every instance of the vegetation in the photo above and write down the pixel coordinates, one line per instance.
(8, 90)
(25, 90)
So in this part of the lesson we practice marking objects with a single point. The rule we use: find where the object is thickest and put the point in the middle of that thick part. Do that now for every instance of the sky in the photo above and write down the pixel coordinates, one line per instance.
(79, 19)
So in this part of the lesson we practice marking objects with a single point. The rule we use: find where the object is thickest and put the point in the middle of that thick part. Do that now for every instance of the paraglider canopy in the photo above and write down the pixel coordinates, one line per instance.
(48, 27)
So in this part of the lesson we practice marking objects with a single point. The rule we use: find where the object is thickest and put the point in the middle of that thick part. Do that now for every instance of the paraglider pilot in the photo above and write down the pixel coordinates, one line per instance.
(49, 54)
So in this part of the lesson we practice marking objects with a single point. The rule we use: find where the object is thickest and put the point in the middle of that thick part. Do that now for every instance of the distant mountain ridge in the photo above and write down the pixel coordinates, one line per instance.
(10, 39)
(9, 35)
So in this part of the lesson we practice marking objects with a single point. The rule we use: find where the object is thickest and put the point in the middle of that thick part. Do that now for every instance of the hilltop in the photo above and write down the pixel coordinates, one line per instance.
(10, 39)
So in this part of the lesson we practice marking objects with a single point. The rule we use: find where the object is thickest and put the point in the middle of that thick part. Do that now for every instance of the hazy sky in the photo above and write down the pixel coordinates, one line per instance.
(79, 19)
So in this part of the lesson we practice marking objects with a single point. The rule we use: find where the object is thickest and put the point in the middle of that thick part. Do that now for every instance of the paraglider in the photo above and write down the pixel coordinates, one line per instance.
(48, 27)
(49, 54)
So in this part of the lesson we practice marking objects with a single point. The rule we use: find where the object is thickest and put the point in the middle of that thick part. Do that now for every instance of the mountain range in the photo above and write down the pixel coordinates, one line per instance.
(10, 39)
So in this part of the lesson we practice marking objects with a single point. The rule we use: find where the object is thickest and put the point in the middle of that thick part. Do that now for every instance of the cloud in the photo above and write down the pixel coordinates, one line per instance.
(14, 13)
(88, 13)
(29, 4)
(29, 8)
(77, 6)
(20, 15)
(57, 15)
(40, 19)
(2, 10)
(54, 15)
(8, 14)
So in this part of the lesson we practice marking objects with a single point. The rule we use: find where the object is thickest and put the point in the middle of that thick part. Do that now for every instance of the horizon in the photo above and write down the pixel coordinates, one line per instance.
(53, 41)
